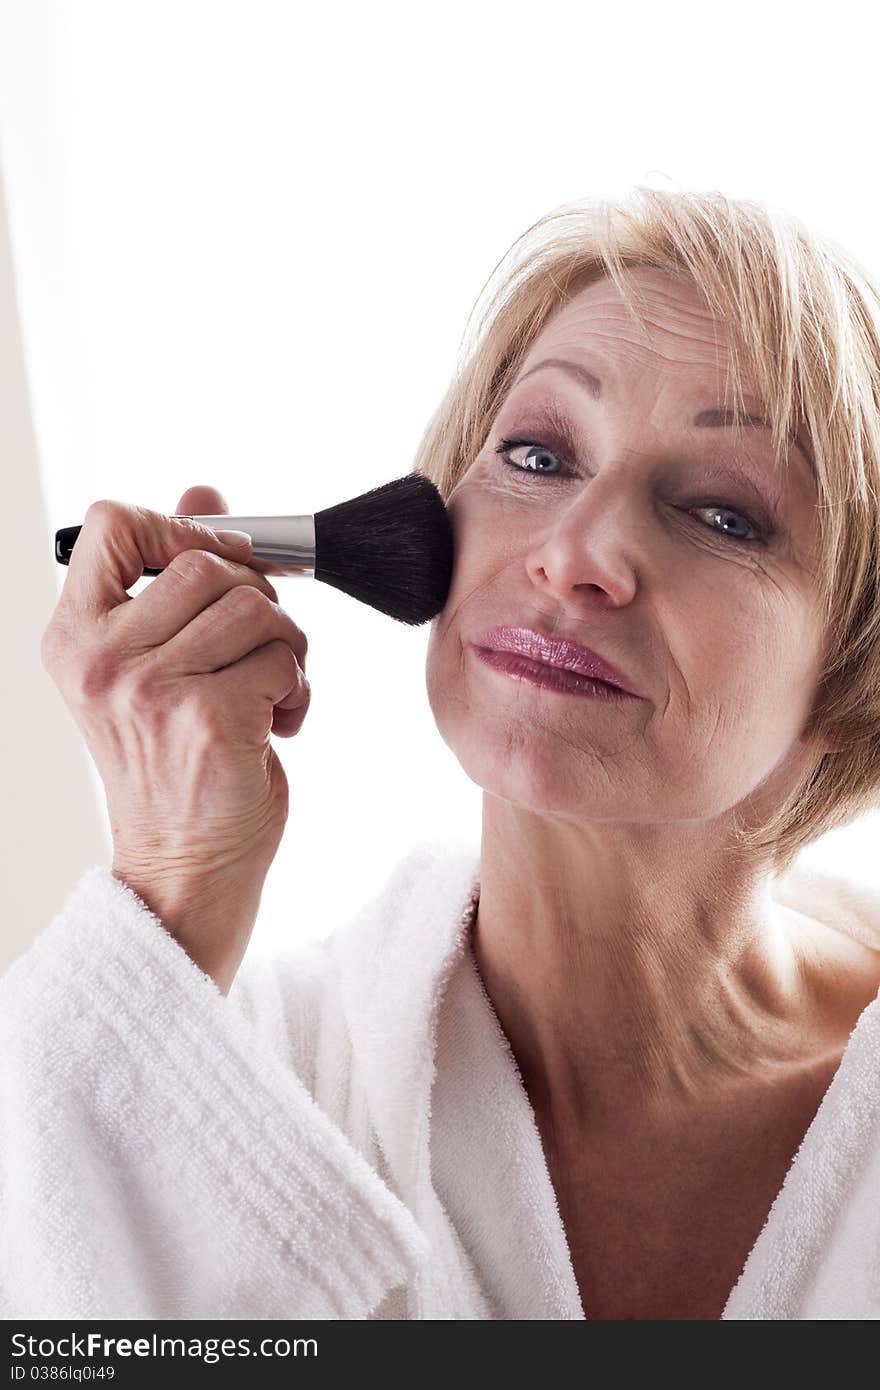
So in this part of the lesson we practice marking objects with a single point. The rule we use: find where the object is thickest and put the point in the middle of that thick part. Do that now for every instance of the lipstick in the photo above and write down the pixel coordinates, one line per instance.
(562, 653)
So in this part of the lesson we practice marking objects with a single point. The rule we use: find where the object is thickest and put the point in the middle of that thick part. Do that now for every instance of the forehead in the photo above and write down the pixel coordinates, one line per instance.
(673, 326)
(672, 338)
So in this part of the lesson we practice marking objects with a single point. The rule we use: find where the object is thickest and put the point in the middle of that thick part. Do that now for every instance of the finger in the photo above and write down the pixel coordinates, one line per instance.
(194, 582)
(119, 541)
(241, 620)
(286, 722)
(202, 501)
(252, 687)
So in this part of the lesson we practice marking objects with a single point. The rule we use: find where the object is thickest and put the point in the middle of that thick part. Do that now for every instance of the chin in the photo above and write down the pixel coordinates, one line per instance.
(520, 766)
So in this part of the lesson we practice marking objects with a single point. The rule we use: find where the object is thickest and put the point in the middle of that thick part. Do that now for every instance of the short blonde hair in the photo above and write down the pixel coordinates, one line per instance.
(804, 316)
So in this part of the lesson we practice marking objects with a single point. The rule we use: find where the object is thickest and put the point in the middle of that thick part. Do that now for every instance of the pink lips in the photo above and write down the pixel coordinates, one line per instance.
(553, 651)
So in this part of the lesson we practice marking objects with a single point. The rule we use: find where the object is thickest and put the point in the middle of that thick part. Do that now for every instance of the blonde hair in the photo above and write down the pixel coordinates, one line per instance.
(804, 317)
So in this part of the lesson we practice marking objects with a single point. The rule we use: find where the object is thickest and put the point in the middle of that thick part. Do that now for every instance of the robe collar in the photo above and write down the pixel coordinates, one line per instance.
(395, 960)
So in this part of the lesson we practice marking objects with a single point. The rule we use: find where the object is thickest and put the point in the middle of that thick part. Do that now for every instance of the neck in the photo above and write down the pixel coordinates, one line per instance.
(638, 980)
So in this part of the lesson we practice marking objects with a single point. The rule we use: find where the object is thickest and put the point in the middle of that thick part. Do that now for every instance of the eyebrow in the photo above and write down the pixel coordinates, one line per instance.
(705, 419)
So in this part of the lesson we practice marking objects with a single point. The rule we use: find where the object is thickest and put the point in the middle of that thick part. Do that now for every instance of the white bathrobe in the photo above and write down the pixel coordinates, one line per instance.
(347, 1134)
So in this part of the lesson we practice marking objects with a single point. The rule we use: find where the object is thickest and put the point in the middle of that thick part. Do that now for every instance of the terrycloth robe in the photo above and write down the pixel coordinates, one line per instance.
(347, 1134)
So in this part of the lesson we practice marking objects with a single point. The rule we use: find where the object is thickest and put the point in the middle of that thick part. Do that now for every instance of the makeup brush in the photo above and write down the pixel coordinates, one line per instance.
(392, 547)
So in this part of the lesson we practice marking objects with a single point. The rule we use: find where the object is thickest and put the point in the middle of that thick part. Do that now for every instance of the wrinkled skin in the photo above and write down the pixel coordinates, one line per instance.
(636, 963)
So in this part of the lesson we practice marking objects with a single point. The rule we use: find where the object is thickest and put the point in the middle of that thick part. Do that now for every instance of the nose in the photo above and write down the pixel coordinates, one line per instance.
(588, 548)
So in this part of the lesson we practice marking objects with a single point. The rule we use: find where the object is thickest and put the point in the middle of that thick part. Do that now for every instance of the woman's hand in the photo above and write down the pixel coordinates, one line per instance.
(176, 692)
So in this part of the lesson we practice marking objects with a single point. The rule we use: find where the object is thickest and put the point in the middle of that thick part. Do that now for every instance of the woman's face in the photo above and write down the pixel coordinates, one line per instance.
(682, 554)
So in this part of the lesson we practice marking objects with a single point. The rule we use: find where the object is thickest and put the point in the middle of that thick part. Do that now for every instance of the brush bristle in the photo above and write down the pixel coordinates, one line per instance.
(391, 547)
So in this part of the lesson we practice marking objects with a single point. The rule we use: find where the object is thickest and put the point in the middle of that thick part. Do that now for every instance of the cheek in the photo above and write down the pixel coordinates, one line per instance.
(485, 514)
(734, 627)
(446, 687)
(746, 667)
(484, 549)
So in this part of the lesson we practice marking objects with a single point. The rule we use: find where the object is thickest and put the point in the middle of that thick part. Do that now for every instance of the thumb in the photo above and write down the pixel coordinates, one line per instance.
(202, 501)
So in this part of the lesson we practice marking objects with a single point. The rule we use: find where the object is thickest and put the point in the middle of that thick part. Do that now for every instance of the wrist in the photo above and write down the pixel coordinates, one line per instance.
(210, 916)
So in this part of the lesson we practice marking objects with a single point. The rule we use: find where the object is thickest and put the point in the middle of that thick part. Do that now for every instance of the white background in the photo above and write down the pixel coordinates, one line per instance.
(246, 240)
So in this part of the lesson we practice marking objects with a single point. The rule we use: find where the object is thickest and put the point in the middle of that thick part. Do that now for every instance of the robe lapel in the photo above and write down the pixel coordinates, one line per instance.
(394, 961)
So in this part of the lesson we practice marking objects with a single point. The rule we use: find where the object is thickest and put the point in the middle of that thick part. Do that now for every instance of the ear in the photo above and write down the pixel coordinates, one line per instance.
(820, 745)
(829, 744)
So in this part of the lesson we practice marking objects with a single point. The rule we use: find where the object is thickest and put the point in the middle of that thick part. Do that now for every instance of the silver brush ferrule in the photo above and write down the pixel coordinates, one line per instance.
(286, 544)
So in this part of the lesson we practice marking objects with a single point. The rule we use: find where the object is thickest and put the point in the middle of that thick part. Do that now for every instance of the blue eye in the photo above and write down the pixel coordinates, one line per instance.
(507, 445)
(545, 457)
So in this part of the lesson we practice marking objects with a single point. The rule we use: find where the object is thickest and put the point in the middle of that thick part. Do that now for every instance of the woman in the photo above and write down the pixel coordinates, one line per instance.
(621, 1061)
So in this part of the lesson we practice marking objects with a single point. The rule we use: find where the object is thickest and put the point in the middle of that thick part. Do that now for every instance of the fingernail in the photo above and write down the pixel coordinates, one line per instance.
(239, 539)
